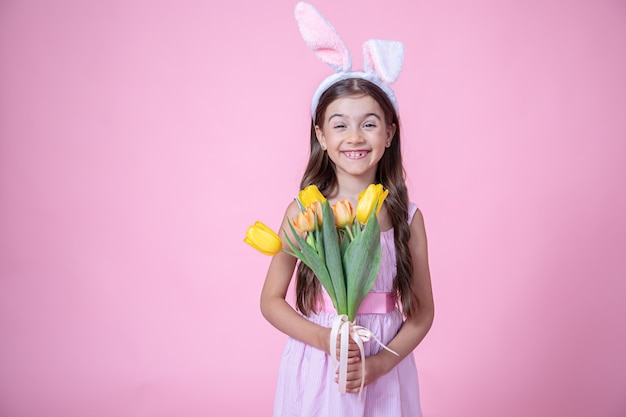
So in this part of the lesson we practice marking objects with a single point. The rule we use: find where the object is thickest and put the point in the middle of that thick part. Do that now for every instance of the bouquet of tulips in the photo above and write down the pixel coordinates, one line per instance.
(340, 245)
(342, 248)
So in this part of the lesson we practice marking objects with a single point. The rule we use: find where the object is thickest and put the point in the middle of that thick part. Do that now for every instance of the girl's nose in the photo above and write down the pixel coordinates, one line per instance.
(354, 137)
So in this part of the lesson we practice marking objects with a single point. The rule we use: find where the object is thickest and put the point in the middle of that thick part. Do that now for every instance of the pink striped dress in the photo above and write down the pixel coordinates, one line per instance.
(306, 386)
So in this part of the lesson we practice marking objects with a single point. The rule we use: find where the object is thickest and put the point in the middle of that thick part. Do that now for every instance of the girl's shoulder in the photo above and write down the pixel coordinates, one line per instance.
(293, 208)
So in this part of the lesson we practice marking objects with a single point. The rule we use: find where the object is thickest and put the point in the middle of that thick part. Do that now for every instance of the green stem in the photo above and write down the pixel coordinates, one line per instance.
(349, 233)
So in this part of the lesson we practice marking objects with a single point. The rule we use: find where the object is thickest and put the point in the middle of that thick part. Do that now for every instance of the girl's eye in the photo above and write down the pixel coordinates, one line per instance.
(339, 126)
(368, 124)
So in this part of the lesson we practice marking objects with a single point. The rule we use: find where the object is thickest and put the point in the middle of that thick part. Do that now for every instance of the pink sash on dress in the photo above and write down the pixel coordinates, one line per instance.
(373, 303)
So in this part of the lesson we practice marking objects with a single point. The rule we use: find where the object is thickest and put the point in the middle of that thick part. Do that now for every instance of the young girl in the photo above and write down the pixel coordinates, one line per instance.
(355, 141)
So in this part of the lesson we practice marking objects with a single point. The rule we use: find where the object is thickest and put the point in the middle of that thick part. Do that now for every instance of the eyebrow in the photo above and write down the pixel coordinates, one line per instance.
(365, 116)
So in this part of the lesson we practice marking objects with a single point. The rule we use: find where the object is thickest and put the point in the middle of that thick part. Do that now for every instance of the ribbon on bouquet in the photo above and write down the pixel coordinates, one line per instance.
(344, 328)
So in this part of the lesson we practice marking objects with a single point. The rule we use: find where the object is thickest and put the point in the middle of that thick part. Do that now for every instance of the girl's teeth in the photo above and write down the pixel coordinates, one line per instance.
(355, 154)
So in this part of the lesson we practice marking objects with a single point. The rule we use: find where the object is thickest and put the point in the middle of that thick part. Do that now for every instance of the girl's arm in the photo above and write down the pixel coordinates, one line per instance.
(414, 329)
(273, 305)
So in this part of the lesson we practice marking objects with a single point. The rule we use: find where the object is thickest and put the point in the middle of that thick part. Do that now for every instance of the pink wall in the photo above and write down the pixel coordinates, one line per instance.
(137, 142)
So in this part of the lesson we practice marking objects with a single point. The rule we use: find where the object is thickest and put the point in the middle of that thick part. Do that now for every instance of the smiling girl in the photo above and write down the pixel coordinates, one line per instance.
(354, 142)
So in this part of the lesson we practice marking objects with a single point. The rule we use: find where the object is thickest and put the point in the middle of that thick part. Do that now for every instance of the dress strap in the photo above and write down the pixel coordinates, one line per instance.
(412, 211)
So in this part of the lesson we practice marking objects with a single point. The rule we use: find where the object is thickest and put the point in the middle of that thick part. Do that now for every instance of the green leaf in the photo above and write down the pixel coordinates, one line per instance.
(332, 257)
(362, 261)
(295, 251)
(345, 242)
(314, 261)
(319, 241)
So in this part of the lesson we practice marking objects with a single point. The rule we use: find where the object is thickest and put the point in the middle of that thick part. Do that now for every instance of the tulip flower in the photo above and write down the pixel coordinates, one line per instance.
(344, 213)
(305, 220)
(263, 239)
(316, 206)
(309, 195)
(373, 196)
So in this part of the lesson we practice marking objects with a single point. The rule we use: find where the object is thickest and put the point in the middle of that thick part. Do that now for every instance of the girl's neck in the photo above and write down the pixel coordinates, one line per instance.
(349, 187)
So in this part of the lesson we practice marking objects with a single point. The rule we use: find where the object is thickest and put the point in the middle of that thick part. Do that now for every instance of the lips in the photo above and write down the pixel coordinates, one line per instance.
(355, 154)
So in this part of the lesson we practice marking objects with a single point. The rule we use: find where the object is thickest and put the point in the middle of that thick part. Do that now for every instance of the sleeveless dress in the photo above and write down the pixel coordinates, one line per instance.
(306, 382)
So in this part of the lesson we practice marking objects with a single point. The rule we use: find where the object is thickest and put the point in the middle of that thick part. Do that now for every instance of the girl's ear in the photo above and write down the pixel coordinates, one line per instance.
(320, 137)
(391, 133)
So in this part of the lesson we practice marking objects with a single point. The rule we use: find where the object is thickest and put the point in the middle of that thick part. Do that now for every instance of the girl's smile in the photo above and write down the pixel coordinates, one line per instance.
(355, 154)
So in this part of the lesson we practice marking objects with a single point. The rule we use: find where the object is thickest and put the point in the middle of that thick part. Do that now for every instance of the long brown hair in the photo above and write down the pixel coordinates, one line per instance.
(320, 171)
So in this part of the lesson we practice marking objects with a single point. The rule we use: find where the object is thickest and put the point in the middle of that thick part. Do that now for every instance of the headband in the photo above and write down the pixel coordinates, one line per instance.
(382, 59)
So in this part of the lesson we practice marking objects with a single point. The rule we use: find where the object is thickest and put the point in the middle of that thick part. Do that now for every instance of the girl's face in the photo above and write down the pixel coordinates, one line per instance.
(355, 134)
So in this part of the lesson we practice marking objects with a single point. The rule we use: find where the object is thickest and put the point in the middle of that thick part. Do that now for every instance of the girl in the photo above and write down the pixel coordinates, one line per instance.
(355, 141)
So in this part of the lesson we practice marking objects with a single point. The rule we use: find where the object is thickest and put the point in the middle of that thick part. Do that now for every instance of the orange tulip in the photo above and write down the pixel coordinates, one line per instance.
(316, 206)
(305, 220)
(344, 213)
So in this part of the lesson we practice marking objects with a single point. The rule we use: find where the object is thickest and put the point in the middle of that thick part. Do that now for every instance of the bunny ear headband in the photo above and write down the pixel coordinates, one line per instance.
(382, 59)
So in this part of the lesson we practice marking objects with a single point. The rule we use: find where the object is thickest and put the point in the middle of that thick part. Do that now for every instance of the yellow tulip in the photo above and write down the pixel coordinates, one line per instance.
(344, 213)
(373, 194)
(309, 195)
(263, 239)
(305, 220)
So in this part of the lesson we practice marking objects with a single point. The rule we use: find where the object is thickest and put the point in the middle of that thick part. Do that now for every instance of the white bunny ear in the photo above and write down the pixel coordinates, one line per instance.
(384, 58)
(322, 38)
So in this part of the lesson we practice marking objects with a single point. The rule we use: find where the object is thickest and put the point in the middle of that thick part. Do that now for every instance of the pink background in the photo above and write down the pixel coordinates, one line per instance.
(139, 139)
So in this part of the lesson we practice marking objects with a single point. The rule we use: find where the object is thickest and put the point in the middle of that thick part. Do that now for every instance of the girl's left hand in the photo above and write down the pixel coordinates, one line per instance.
(353, 381)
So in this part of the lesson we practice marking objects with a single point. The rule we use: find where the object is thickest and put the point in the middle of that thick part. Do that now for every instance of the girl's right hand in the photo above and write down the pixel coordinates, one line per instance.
(354, 355)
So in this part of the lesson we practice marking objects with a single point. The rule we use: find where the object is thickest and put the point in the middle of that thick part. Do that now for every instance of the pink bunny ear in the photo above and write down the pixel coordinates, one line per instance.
(384, 58)
(322, 38)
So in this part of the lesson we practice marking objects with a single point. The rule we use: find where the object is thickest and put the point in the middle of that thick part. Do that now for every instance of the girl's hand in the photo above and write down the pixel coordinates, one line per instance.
(372, 372)
(354, 355)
